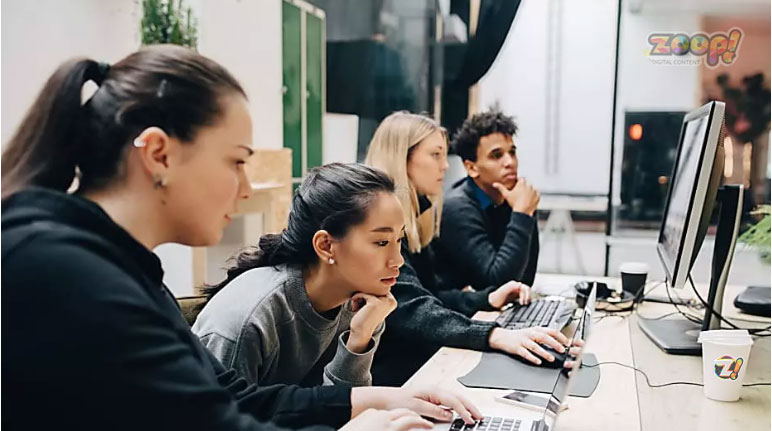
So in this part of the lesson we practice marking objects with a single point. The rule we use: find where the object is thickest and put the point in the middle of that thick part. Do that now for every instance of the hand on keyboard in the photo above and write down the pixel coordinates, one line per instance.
(511, 291)
(525, 342)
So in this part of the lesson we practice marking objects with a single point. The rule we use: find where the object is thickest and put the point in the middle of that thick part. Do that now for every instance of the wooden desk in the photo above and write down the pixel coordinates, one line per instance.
(622, 400)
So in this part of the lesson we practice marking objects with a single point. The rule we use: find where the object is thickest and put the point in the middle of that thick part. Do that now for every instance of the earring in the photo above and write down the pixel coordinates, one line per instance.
(159, 181)
(331, 261)
(139, 143)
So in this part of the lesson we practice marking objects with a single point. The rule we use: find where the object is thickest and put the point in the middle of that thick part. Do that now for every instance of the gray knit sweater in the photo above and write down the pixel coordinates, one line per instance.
(263, 325)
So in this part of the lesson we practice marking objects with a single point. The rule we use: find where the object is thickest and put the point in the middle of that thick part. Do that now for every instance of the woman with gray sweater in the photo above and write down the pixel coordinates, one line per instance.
(307, 306)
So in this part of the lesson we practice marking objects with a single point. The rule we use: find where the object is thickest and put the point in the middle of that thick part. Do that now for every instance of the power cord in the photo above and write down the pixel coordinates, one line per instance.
(754, 331)
(648, 382)
(607, 315)
(685, 316)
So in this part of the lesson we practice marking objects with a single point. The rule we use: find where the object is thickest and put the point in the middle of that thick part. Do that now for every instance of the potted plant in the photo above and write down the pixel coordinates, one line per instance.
(758, 235)
(167, 21)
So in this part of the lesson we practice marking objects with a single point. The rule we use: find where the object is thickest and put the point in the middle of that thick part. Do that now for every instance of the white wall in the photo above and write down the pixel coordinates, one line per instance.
(518, 82)
(645, 86)
(38, 35)
(244, 36)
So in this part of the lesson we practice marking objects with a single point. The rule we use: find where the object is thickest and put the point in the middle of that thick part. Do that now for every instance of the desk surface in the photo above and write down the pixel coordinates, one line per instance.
(622, 400)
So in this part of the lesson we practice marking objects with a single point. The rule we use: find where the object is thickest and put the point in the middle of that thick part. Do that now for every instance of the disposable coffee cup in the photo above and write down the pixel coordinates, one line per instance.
(634, 278)
(724, 361)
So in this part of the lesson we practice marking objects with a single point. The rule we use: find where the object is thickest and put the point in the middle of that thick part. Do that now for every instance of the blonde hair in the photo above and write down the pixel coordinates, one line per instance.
(389, 150)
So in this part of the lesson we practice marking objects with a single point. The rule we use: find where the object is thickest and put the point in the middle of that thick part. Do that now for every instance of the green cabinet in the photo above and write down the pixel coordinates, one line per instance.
(304, 84)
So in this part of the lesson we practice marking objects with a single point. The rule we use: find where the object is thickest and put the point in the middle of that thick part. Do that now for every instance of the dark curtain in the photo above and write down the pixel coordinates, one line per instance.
(465, 63)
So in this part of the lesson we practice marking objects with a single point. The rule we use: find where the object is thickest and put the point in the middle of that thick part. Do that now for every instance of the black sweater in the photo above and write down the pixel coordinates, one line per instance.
(481, 244)
(92, 340)
(429, 315)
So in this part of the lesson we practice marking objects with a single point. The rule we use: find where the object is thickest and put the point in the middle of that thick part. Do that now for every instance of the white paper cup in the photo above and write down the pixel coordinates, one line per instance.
(724, 361)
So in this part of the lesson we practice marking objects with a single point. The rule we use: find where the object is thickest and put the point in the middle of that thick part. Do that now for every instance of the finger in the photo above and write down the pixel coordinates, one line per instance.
(476, 413)
(575, 351)
(545, 338)
(554, 333)
(525, 294)
(539, 350)
(528, 356)
(569, 364)
(360, 299)
(433, 411)
(431, 400)
(500, 187)
(400, 412)
(407, 423)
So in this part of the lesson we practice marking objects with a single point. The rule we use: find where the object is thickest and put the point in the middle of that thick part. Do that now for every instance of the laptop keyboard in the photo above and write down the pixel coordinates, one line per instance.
(493, 423)
(541, 312)
(488, 423)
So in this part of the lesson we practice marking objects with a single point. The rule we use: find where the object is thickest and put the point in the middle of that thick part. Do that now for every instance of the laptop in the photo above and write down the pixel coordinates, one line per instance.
(535, 421)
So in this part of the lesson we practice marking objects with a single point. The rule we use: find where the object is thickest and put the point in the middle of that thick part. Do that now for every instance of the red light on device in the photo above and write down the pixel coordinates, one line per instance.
(636, 132)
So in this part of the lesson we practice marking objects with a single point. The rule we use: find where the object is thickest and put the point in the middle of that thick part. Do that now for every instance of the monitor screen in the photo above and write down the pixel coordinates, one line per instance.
(682, 190)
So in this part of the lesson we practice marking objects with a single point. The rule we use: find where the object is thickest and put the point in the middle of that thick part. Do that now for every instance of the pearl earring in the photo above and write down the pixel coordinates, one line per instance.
(331, 261)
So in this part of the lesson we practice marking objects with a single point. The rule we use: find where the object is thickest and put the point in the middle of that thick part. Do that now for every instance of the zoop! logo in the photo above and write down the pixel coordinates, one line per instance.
(718, 48)
(728, 367)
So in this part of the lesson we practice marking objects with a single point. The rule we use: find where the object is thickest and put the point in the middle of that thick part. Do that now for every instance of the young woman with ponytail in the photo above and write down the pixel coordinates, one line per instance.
(92, 339)
(307, 306)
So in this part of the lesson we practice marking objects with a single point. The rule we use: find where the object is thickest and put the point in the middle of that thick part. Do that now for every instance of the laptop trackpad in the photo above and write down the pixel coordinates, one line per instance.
(499, 371)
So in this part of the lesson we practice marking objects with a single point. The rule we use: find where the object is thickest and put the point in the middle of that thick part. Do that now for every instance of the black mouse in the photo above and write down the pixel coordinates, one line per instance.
(560, 358)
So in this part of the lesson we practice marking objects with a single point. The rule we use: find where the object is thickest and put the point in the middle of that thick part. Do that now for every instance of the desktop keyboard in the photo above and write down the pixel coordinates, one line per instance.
(541, 312)
(494, 423)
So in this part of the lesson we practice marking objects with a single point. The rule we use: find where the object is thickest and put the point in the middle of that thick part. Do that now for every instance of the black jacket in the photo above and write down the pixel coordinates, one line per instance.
(92, 340)
(481, 244)
(429, 315)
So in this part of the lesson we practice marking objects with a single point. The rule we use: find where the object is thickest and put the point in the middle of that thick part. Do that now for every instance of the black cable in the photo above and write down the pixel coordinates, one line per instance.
(613, 314)
(659, 317)
(648, 382)
(685, 316)
(753, 331)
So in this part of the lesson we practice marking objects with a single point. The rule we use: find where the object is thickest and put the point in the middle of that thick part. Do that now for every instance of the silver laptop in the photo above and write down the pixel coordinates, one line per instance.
(546, 419)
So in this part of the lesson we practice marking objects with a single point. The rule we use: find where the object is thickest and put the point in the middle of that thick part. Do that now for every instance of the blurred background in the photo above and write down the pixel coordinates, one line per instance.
(599, 116)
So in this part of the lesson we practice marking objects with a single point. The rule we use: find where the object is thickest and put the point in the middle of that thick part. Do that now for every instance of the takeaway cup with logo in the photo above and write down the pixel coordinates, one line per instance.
(724, 361)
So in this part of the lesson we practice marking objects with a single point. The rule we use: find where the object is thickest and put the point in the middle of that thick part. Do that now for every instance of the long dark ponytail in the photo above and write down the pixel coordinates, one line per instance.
(167, 86)
(333, 197)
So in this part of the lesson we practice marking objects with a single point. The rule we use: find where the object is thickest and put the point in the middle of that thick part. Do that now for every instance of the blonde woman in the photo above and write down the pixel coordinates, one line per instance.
(412, 149)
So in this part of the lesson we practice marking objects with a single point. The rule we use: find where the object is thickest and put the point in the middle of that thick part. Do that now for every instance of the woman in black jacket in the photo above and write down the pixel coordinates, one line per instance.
(92, 339)
(413, 149)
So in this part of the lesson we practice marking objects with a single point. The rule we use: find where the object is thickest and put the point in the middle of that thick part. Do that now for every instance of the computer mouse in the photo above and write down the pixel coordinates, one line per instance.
(560, 358)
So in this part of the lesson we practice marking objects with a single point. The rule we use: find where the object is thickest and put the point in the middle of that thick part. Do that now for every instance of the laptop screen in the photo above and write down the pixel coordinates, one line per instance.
(562, 384)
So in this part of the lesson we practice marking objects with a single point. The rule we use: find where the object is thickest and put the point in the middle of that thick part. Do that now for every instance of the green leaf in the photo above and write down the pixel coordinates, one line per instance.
(163, 21)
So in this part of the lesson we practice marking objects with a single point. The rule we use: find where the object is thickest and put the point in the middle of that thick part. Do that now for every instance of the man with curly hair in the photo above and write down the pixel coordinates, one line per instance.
(489, 234)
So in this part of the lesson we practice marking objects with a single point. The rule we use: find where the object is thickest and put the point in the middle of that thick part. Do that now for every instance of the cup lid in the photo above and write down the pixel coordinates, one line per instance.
(728, 336)
(634, 268)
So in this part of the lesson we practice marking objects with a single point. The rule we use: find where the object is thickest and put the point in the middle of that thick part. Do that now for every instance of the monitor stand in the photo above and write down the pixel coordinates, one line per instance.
(678, 336)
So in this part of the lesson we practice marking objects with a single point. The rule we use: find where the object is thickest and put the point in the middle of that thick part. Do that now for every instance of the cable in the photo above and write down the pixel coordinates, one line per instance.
(648, 382)
(685, 316)
(659, 283)
(753, 331)
(621, 316)
(659, 317)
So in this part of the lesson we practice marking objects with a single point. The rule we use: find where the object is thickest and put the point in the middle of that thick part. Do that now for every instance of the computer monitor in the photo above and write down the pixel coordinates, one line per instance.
(693, 195)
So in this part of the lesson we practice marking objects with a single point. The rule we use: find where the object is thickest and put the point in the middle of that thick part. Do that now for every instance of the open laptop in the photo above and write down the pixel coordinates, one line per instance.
(536, 421)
